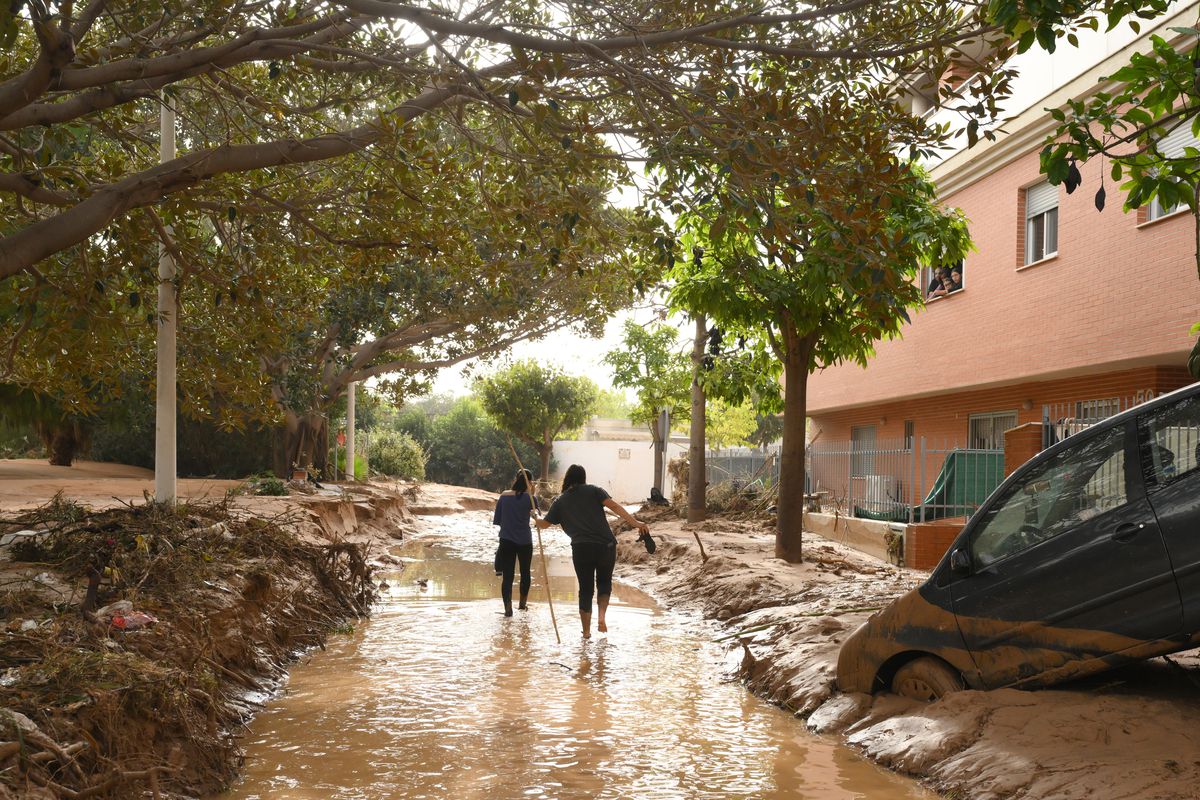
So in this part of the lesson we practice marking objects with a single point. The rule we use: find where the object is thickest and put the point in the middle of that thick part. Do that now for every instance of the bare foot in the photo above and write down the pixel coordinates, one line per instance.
(602, 626)
(587, 634)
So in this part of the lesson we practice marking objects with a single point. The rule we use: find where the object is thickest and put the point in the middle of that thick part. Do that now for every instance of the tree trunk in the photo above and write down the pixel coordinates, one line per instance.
(697, 473)
(656, 439)
(306, 438)
(545, 451)
(62, 440)
(789, 532)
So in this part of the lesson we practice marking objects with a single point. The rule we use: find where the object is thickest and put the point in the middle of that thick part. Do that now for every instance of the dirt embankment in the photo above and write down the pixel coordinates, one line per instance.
(1133, 733)
(140, 685)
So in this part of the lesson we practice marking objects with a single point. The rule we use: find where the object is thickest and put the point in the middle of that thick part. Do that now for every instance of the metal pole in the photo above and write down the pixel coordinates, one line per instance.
(168, 308)
(923, 490)
(350, 451)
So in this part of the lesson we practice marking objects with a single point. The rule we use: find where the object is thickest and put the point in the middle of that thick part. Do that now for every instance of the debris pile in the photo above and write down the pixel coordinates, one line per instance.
(135, 641)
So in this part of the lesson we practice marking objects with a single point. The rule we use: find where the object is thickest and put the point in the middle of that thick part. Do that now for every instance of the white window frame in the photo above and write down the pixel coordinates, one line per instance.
(1041, 216)
(1156, 211)
(862, 450)
(1173, 145)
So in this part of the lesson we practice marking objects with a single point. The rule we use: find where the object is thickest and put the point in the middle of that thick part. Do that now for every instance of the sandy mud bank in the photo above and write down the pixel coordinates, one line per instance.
(136, 639)
(1133, 733)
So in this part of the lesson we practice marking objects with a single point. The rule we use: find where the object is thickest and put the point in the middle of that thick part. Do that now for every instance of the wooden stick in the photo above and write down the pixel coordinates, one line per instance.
(703, 555)
(541, 550)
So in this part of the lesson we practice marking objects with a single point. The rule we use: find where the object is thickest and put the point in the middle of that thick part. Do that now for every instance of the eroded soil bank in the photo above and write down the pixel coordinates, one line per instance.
(197, 612)
(1133, 733)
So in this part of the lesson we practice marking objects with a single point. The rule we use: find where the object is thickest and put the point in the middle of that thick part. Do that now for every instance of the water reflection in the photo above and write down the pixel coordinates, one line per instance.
(440, 696)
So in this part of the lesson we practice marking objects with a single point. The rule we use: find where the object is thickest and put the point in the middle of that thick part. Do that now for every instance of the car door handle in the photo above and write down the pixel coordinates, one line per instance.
(1127, 531)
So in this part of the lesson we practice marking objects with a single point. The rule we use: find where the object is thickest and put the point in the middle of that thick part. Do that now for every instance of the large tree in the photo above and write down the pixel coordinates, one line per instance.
(807, 243)
(270, 86)
(536, 404)
(649, 361)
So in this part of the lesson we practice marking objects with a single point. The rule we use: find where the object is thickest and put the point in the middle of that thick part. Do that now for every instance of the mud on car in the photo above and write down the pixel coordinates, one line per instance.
(1087, 557)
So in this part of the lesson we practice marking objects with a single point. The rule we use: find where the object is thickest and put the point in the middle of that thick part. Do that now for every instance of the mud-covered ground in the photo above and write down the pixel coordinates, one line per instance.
(1125, 734)
(136, 639)
(1133, 733)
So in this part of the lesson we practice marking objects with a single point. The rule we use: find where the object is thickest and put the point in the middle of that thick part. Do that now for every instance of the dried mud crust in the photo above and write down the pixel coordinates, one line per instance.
(87, 710)
(1133, 733)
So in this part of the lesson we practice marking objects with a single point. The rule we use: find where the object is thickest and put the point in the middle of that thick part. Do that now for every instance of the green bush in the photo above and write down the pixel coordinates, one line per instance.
(271, 486)
(360, 465)
(396, 454)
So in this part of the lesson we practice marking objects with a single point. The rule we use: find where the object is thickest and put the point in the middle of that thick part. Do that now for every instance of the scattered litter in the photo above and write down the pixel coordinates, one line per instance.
(133, 621)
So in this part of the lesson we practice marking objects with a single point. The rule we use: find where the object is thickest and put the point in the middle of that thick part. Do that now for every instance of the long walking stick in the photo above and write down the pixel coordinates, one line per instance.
(541, 550)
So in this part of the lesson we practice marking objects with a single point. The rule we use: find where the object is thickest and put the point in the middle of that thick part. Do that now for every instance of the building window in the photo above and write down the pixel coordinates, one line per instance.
(986, 431)
(1041, 222)
(1093, 411)
(941, 281)
(862, 450)
(1173, 145)
(1156, 210)
(909, 431)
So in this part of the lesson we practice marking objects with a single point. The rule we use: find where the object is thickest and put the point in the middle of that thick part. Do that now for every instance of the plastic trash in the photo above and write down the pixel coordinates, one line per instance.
(133, 621)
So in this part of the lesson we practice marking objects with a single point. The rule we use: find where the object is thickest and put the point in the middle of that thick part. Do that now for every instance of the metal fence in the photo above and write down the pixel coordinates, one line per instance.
(742, 464)
(902, 480)
(1062, 419)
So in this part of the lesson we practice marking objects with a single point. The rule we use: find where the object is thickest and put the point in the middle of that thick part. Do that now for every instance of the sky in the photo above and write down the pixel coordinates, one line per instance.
(563, 349)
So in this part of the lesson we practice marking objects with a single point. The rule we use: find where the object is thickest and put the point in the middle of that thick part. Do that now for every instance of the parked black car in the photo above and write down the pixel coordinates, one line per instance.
(1085, 558)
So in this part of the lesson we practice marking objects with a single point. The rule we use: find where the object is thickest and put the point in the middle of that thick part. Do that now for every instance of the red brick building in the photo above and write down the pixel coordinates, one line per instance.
(1060, 303)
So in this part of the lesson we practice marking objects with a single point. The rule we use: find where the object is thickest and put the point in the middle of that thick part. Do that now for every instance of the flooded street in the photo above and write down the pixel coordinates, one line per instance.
(440, 696)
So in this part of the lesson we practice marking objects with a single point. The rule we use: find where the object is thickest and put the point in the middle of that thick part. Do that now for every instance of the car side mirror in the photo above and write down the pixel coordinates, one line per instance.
(960, 562)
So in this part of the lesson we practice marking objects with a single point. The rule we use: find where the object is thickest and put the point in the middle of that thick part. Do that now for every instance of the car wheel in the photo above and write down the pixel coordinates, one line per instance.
(926, 679)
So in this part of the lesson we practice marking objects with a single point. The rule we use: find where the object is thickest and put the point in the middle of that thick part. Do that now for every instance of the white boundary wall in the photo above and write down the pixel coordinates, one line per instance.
(624, 469)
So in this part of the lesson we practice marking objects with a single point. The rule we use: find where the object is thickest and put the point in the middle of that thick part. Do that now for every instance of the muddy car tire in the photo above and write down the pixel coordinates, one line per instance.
(926, 679)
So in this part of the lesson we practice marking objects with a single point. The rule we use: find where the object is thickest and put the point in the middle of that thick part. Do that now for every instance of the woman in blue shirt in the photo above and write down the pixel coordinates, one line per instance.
(513, 509)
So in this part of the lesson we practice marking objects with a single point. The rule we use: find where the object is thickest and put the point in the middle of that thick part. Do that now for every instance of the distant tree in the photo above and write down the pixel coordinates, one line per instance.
(728, 425)
(651, 362)
(612, 404)
(466, 448)
(536, 404)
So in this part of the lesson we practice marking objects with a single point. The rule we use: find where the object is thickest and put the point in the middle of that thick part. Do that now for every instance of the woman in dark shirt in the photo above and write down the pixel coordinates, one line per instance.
(516, 542)
(580, 512)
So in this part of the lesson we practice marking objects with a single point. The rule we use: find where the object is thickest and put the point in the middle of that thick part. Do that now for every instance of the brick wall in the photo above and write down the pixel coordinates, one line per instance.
(1021, 444)
(943, 420)
(1120, 293)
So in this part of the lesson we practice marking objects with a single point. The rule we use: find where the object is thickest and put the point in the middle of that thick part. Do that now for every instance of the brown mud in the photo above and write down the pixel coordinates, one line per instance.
(239, 587)
(1130, 733)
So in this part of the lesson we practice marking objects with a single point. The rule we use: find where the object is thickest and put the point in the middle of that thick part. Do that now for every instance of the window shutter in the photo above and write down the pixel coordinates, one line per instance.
(1040, 198)
(1172, 145)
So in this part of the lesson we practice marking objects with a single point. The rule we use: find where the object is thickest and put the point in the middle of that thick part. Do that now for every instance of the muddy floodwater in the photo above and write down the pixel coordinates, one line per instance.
(439, 696)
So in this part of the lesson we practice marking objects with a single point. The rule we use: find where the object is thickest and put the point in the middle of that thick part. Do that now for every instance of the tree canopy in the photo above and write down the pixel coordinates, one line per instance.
(535, 404)
(807, 245)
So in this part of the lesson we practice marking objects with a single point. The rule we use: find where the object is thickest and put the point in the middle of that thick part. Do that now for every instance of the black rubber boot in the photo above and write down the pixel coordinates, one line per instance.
(508, 608)
(524, 603)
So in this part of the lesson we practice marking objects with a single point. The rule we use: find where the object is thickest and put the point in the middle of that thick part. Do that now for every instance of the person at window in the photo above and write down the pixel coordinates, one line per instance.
(937, 286)
(955, 280)
(513, 508)
(580, 512)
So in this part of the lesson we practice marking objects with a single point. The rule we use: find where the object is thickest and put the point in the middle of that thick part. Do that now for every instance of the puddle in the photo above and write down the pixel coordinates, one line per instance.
(439, 696)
